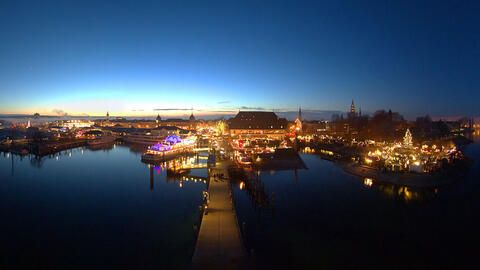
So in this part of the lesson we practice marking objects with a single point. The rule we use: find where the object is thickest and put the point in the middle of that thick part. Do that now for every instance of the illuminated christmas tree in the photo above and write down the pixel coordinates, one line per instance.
(408, 139)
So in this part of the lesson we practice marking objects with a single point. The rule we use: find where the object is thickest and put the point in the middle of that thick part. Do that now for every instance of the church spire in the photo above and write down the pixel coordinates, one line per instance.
(352, 107)
(192, 117)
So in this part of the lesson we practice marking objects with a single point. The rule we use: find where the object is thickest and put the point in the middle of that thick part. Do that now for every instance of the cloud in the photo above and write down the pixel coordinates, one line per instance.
(224, 102)
(172, 109)
(138, 110)
(223, 111)
(59, 112)
(252, 108)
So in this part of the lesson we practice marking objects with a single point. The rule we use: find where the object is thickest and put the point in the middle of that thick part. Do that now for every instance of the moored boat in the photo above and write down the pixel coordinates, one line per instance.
(172, 146)
(143, 138)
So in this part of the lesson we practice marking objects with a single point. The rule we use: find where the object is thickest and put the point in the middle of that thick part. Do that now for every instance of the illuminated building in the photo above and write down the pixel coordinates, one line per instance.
(151, 136)
(255, 124)
(70, 124)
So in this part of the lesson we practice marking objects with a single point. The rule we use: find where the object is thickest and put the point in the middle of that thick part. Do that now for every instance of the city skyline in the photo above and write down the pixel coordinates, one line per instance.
(89, 58)
(264, 134)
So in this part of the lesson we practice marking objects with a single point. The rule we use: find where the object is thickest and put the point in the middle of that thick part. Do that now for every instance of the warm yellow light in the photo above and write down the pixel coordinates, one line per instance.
(242, 185)
(368, 182)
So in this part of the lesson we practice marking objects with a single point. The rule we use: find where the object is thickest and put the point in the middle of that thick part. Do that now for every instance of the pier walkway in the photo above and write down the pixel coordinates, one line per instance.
(219, 244)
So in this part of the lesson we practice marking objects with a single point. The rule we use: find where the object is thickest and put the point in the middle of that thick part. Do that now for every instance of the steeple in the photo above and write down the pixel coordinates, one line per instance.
(158, 119)
(192, 117)
(300, 113)
(352, 107)
(108, 115)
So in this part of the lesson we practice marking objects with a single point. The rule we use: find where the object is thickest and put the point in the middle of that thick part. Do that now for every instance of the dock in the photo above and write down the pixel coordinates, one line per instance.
(219, 243)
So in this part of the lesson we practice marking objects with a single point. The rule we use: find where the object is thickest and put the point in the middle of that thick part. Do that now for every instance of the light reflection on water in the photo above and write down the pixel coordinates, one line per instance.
(57, 206)
(95, 207)
(401, 192)
(325, 218)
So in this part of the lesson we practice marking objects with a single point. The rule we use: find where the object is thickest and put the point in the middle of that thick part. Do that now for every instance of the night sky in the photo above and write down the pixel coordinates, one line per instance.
(144, 58)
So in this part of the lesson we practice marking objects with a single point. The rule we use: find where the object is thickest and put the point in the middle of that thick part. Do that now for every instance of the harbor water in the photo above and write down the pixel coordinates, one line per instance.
(104, 208)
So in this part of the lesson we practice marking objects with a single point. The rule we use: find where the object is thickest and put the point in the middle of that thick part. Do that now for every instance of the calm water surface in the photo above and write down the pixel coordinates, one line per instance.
(323, 218)
(87, 209)
(99, 209)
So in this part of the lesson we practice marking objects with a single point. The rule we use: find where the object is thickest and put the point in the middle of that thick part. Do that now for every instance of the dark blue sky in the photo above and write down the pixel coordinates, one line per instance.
(131, 58)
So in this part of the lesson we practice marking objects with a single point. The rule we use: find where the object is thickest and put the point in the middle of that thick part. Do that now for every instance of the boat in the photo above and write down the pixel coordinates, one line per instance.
(143, 138)
(171, 147)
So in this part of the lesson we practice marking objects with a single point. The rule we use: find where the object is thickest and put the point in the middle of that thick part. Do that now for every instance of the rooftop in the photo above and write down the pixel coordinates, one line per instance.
(257, 120)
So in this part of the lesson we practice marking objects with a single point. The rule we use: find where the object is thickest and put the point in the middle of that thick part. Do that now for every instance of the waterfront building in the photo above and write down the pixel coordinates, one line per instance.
(314, 127)
(149, 136)
(189, 124)
(149, 124)
(258, 124)
(76, 123)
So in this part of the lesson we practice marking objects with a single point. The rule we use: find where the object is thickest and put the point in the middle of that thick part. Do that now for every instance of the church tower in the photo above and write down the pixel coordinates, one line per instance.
(352, 108)
(353, 111)
(192, 117)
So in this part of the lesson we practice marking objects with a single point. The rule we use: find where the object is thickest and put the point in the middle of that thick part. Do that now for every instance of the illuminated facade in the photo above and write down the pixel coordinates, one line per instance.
(71, 124)
(256, 124)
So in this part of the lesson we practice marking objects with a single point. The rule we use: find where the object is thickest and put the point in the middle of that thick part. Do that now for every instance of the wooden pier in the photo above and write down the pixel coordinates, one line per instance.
(219, 244)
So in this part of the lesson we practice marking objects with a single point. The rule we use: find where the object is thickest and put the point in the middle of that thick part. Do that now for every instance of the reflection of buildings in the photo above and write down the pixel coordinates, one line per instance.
(179, 170)
(476, 128)
(404, 193)
(256, 124)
